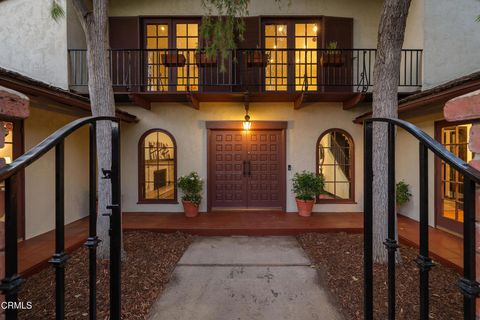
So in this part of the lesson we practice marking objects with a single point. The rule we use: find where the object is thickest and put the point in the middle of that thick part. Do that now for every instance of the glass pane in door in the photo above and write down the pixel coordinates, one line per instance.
(6, 157)
(455, 139)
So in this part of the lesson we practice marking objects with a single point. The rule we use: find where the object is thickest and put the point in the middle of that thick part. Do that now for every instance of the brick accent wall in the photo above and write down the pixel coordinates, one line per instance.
(467, 107)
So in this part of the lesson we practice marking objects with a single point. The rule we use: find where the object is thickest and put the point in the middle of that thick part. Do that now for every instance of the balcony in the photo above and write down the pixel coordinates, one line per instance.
(143, 76)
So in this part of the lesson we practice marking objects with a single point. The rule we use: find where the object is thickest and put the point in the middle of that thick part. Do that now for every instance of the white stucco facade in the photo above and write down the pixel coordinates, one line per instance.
(32, 43)
(407, 166)
(451, 38)
(40, 176)
(188, 127)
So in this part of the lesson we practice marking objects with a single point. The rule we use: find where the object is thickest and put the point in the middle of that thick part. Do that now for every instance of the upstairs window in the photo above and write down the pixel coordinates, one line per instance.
(276, 71)
(171, 46)
(335, 161)
(157, 167)
(186, 37)
(157, 43)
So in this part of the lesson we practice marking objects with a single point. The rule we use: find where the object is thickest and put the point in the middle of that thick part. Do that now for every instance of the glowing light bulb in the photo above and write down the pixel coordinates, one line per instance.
(315, 28)
(280, 28)
(162, 28)
(274, 46)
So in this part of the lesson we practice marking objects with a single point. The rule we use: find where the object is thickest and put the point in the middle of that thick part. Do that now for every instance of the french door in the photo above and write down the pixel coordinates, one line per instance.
(449, 195)
(247, 169)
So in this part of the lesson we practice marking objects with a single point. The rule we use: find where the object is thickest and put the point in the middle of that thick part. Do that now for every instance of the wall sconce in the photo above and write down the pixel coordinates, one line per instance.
(247, 124)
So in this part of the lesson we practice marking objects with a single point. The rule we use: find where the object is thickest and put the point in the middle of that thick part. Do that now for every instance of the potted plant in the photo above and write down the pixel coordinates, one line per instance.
(257, 58)
(191, 185)
(203, 59)
(173, 59)
(332, 57)
(306, 186)
(403, 194)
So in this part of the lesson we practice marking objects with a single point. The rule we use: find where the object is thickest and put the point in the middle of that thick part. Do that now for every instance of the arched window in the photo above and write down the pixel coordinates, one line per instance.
(157, 176)
(335, 161)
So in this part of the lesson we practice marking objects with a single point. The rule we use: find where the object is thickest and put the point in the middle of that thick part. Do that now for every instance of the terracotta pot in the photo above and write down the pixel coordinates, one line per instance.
(173, 59)
(257, 59)
(305, 207)
(332, 59)
(203, 60)
(190, 209)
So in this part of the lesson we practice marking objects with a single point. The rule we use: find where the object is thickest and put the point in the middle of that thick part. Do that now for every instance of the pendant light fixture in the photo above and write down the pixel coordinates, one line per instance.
(247, 124)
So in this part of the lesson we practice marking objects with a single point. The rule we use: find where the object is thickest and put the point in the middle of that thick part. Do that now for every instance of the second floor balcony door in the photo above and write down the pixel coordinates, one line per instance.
(291, 48)
(170, 56)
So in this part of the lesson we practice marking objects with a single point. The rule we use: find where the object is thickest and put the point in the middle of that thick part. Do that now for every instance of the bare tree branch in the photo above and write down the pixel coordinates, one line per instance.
(82, 9)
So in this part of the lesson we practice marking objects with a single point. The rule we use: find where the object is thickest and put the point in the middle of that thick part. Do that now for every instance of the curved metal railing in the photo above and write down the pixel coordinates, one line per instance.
(10, 285)
(468, 285)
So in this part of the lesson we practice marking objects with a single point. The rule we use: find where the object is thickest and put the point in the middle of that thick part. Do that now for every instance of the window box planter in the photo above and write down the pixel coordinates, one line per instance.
(173, 59)
(332, 59)
(257, 59)
(202, 60)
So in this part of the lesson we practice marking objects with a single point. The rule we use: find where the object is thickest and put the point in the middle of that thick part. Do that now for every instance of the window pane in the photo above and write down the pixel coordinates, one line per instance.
(163, 30)
(181, 30)
(151, 30)
(193, 30)
(159, 166)
(300, 30)
(335, 164)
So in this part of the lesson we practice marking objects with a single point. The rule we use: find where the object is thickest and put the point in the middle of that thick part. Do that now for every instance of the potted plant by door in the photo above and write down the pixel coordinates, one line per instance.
(332, 57)
(306, 186)
(402, 192)
(191, 185)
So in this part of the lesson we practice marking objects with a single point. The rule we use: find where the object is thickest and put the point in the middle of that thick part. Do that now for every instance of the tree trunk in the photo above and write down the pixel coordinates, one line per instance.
(95, 26)
(386, 73)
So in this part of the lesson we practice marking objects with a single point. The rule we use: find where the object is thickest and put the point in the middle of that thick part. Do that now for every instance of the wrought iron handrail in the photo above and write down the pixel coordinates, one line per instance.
(46, 145)
(261, 69)
(468, 285)
(12, 282)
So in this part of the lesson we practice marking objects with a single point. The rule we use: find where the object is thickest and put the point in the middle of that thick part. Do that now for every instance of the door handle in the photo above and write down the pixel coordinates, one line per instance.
(244, 168)
(249, 168)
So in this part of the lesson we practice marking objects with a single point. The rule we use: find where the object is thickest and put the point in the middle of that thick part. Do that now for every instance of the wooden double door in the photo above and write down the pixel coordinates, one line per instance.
(247, 169)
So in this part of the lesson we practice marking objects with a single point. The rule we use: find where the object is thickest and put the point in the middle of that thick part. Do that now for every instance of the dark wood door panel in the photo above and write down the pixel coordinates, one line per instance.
(265, 170)
(228, 153)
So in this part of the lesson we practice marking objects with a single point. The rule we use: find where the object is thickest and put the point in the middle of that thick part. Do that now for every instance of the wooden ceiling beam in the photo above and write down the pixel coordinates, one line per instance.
(298, 102)
(194, 102)
(140, 101)
(353, 101)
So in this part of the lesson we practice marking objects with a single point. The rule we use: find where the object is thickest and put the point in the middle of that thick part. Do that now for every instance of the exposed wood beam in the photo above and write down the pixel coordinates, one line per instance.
(194, 102)
(298, 102)
(353, 101)
(140, 101)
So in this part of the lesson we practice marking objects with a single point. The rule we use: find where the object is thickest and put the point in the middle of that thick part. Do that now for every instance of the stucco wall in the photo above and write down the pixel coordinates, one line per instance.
(32, 43)
(188, 128)
(40, 176)
(365, 13)
(407, 159)
(452, 43)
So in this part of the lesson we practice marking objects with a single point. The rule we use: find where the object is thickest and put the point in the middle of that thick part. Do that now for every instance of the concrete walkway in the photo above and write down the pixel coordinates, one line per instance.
(244, 278)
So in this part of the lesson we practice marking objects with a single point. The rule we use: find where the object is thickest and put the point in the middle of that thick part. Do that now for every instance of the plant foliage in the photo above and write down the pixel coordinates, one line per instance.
(403, 194)
(56, 11)
(222, 26)
(192, 187)
(307, 185)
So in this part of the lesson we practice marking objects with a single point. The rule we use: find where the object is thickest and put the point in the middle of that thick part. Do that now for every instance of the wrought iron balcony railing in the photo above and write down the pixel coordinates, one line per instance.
(255, 70)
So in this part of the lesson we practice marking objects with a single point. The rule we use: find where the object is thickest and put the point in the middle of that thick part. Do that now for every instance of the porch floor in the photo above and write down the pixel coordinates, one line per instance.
(34, 253)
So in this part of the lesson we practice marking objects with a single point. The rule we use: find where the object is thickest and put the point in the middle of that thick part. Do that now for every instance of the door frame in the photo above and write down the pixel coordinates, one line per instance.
(449, 225)
(256, 125)
(18, 148)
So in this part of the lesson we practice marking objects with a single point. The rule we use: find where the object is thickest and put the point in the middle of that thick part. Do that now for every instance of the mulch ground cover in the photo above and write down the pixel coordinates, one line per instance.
(339, 260)
(150, 260)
